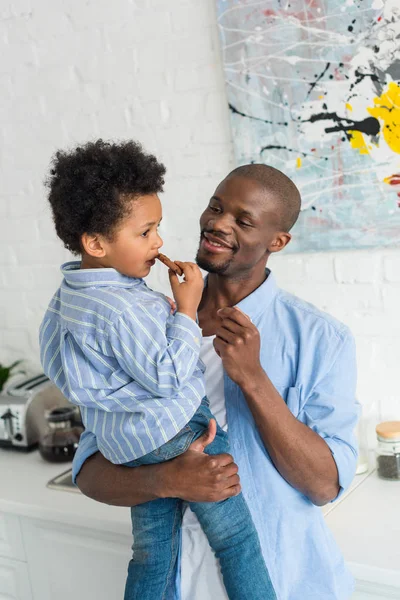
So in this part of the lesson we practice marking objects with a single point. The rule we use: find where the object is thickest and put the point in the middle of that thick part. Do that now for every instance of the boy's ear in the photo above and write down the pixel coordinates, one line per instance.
(93, 245)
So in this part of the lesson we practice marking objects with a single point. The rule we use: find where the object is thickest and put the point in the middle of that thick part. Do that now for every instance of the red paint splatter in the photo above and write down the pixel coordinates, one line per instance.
(268, 12)
(379, 19)
(394, 179)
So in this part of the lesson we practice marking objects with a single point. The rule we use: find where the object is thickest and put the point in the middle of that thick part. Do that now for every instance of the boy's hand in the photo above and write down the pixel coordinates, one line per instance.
(188, 292)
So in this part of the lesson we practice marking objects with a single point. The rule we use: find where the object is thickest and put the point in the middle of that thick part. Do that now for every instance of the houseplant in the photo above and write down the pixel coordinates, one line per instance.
(6, 372)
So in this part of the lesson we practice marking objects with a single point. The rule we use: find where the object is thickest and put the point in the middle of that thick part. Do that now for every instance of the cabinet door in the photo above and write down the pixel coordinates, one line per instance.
(373, 591)
(67, 562)
(11, 545)
(14, 582)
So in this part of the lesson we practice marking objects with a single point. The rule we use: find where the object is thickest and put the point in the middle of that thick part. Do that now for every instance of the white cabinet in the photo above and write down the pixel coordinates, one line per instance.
(11, 545)
(374, 591)
(68, 562)
(14, 580)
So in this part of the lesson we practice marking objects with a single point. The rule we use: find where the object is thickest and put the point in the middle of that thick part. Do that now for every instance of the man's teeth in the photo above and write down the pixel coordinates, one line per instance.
(214, 244)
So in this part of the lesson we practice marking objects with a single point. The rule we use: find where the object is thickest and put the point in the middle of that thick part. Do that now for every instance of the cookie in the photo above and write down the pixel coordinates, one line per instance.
(170, 264)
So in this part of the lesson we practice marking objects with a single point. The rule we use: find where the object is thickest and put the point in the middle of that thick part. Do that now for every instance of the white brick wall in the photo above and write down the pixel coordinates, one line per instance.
(150, 70)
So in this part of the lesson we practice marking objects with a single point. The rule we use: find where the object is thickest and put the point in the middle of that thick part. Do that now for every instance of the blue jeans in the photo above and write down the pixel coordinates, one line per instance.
(227, 524)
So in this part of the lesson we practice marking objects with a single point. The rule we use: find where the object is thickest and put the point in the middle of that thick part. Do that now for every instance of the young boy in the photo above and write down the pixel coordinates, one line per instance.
(113, 347)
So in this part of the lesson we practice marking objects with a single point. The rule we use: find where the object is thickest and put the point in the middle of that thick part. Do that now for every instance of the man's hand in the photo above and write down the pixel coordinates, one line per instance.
(237, 342)
(198, 477)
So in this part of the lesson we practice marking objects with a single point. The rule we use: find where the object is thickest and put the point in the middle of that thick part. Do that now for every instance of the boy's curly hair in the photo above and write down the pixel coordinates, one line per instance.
(90, 187)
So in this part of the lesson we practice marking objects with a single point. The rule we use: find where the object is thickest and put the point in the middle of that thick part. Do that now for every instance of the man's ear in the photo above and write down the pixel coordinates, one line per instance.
(93, 245)
(280, 241)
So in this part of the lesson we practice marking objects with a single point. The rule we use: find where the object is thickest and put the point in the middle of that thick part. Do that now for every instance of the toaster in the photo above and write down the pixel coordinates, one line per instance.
(23, 409)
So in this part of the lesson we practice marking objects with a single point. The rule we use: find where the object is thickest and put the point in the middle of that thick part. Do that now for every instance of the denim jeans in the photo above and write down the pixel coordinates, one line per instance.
(227, 524)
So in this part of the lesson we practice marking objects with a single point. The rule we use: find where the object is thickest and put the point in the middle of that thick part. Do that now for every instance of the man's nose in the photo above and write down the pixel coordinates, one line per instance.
(220, 223)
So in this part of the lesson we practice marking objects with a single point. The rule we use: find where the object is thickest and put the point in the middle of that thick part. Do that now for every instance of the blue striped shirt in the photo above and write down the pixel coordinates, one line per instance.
(113, 348)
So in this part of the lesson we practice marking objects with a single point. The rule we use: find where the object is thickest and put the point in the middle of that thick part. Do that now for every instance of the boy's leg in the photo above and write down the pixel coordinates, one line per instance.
(233, 537)
(156, 529)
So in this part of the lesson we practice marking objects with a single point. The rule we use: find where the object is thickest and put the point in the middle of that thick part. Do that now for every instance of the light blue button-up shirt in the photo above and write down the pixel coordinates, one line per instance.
(310, 358)
(113, 348)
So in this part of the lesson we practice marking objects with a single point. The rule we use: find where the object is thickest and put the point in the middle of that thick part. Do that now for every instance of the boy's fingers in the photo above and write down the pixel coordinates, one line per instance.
(173, 279)
(207, 437)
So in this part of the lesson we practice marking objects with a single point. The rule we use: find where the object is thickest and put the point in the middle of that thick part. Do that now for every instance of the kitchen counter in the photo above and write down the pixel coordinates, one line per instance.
(367, 528)
(365, 521)
(23, 492)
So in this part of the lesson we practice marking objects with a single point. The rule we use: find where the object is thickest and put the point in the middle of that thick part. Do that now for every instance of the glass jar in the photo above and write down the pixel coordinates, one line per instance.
(60, 441)
(388, 450)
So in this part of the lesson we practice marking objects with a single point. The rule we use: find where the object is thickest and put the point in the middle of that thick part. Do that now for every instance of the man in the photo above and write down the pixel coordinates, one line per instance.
(282, 380)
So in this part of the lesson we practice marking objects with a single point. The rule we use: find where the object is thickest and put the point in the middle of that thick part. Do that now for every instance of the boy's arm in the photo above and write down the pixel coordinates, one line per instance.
(162, 359)
(160, 354)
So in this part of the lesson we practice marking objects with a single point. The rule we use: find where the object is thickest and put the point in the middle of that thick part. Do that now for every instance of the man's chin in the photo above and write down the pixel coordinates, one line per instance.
(211, 266)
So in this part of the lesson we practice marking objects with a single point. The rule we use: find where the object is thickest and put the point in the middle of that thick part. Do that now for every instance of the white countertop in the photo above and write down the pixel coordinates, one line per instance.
(367, 528)
(23, 492)
(365, 521)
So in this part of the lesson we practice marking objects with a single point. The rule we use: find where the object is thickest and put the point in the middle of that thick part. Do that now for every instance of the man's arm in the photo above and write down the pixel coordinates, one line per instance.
(194, 476)
(313, 457)
(301, 456)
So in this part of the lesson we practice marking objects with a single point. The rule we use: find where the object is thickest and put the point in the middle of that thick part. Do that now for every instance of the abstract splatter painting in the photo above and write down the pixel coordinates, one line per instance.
(314, 90)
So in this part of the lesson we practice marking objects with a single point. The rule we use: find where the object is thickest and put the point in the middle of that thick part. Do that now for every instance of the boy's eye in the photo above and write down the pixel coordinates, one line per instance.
(145, 233)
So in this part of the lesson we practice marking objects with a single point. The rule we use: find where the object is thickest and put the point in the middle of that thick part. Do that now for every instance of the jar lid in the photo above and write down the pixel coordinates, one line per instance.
(390, 430)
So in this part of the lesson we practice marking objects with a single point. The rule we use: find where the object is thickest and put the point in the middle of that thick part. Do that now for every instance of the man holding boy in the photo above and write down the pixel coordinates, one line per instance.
(282, 380)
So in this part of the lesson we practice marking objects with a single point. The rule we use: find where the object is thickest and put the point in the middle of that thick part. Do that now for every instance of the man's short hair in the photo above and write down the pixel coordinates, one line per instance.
(284, 192)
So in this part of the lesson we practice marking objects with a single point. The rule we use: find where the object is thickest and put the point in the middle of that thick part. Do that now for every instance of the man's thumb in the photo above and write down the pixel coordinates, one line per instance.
(206, 438)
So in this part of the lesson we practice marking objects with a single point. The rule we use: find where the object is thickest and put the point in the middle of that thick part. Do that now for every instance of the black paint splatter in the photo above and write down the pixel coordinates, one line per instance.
(273, 147)
(235, 111)
(360, 76)
(319, 77)
(369, 126)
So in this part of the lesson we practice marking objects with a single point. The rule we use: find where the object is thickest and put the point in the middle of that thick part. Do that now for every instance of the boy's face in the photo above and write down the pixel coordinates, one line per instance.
(136, 242)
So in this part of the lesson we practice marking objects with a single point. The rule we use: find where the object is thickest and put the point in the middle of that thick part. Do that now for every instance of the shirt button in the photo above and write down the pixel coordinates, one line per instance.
(196, 339)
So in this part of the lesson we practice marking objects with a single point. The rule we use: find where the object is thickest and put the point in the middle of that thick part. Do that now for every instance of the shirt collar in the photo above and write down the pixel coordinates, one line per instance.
(258, 301)
(80, 278)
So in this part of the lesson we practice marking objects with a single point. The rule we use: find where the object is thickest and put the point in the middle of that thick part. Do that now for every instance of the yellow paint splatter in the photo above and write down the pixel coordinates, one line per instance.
(387, 110)
(349, 106)
(298, 162)
(357, 141)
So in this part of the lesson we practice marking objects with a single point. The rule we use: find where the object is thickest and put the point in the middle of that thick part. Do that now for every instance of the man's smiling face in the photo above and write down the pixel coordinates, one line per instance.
(239, 228)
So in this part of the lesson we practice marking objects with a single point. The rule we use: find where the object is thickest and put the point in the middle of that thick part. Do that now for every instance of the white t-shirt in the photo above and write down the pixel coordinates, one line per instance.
(200, 573)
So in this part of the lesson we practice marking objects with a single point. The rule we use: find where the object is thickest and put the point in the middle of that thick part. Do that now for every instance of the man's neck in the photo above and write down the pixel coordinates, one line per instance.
(225, 291)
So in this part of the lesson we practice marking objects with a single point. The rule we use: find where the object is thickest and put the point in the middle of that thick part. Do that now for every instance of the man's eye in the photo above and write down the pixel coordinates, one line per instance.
(214, 208)
(244, 224)
(145, 233)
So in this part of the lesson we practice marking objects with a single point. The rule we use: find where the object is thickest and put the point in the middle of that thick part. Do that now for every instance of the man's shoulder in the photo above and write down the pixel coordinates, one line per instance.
(309, 316)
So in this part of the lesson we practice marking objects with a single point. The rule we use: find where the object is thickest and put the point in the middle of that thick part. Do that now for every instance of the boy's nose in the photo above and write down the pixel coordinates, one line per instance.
(159, 241)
